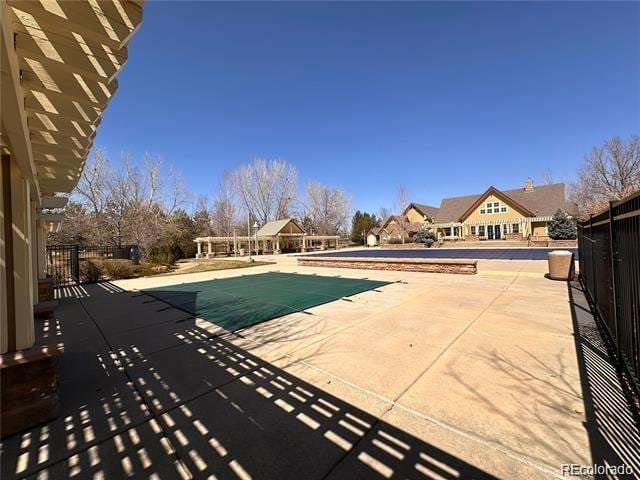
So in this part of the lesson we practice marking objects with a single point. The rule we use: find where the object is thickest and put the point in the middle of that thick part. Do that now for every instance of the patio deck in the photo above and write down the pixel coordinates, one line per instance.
(446, 375)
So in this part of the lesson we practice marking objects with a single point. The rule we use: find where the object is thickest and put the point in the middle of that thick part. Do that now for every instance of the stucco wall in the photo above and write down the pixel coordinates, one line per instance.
(539, 229)
(414, 216)
(511, 213)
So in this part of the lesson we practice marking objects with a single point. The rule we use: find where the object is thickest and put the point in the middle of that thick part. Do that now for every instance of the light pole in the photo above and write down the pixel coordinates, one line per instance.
(249, 235)
(255, 227)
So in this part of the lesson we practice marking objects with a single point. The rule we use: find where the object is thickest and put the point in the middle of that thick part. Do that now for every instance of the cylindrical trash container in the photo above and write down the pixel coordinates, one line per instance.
(241, 252)
(560, 265)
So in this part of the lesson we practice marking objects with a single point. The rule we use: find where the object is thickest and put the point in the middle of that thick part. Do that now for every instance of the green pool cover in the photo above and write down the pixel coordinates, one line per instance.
(239, 302)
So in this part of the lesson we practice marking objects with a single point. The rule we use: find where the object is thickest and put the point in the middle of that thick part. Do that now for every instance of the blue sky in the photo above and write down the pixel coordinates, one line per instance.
(445, 99)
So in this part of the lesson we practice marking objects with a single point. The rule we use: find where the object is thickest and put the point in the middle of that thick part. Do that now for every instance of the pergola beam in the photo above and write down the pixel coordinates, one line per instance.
(66, 56)
(54, 202)
(96, 21)
(90, 61)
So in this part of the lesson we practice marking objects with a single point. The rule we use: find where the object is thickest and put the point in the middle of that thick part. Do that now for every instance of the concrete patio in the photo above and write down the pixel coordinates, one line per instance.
(436, 376)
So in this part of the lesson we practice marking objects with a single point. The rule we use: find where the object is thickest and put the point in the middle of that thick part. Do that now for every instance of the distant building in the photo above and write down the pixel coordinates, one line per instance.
(373, 237)
(495, 214)
(408, 223)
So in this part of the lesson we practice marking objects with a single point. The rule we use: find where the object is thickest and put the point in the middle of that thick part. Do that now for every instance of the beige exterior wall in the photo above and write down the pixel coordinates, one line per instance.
(371, 240)
(391, 230)
(415, 216)
(511, 213)
(539, 229)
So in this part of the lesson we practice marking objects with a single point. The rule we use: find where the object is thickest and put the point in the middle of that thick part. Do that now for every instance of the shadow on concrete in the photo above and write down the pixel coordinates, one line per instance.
(146, 392)
(612, 414)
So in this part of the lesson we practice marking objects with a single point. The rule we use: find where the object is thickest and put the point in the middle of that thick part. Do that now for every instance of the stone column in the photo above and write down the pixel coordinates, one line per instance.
(209, 255)
(199, 254)
(277, 250)
(304, 243)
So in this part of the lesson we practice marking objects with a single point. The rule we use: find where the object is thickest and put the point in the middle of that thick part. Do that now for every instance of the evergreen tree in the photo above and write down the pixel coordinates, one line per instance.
(362, 222)
(562, 227)
(425, 235)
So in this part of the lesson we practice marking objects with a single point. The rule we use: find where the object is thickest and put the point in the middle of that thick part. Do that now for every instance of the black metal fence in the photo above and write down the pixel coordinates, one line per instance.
(609, 246)
(64, 261)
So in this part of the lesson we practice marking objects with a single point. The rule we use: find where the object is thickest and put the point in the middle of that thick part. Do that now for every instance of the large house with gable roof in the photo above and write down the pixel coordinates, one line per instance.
(494, 214)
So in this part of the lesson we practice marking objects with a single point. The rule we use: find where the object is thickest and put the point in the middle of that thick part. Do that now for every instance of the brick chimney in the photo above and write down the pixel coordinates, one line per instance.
(528, 185)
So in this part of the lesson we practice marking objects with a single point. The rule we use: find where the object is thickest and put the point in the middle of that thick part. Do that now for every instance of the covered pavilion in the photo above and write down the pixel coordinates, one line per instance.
(279, 236)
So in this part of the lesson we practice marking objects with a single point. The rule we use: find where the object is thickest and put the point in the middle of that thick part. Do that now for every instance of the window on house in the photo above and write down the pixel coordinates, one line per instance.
(447, 232)
(488, 204)
(503, 209)
(496, 204)
(481, 230)
(489, 210)
(515, 228)
(473, 230)
(482, 211)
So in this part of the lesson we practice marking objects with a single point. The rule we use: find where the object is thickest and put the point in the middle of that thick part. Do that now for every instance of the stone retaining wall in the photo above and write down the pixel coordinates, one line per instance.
(554, 243)
(403, 246)
(458, 266)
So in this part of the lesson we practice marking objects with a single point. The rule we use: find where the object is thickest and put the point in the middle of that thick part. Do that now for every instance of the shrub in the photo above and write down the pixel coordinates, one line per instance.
(90, 271)
(117, 269)
(394, 240)
(424, 235)
(562, 227)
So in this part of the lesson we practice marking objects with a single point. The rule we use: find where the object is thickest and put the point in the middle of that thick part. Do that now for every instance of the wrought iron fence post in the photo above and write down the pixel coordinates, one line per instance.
(612, 253)
(75, 263)
(594, 296)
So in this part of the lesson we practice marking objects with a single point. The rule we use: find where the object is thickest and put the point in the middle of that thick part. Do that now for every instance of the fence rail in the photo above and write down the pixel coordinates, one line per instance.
(609, 246)
(64, 262)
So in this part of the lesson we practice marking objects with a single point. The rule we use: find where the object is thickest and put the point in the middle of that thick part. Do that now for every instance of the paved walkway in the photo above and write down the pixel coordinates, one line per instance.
(437, 376)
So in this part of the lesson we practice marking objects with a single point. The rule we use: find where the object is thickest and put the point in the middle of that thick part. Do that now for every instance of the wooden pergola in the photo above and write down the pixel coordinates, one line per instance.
(464, 228)
(274, 237)
(59, 66)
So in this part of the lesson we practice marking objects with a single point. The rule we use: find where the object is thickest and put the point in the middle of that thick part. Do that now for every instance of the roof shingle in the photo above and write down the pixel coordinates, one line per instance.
(274, 227)
(427, 210)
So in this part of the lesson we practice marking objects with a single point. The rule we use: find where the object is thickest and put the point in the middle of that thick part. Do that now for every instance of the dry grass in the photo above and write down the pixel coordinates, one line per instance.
(210, 265)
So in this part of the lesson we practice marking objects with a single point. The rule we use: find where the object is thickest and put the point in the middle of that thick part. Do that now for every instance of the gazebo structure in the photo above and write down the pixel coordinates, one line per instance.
(279, 236)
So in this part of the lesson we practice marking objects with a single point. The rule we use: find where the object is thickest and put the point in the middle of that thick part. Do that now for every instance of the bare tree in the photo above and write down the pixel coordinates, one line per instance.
(267, 188)
(225, 206)
(328, 208)
(92, 193)
(547, 177)
(401, 202)
(92, 186)
(402, 199)
(130, 203)
(610, 172)
(384, 213)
